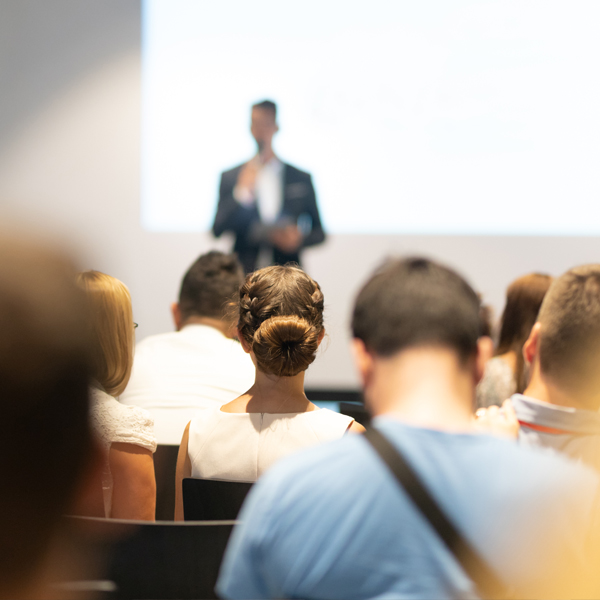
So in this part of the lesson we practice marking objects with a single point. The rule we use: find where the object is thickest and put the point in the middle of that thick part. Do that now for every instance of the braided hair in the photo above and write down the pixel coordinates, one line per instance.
(281, 319)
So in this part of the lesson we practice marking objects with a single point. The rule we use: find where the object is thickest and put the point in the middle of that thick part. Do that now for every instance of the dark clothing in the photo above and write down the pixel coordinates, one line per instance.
(299, 207)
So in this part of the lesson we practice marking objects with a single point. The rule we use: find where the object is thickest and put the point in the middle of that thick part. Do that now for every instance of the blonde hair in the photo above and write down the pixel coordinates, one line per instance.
(112, 325)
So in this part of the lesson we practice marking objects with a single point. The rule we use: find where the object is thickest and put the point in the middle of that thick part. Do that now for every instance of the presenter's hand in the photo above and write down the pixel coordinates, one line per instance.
(288, 239)
(247, 175)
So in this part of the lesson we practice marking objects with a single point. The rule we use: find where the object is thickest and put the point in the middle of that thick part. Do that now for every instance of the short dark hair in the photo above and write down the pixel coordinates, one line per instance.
(209, 285)
(417, 302)
(267, 105)
(569, 343)
(46, 442)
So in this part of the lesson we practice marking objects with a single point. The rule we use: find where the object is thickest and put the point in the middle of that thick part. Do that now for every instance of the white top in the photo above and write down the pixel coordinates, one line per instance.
(269, 190)
(115, 423)
(175, 374)
(497, 385)
(241, 446)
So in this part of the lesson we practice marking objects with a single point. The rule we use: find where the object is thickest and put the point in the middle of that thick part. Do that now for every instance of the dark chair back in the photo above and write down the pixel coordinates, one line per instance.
(357, 411)
(164, 560)
(207, 500)
(165, 463)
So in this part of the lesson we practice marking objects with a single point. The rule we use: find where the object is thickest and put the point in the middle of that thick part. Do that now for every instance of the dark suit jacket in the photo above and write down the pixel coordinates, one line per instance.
(299, 206)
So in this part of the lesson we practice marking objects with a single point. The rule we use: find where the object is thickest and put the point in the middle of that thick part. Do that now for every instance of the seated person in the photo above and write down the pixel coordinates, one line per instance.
(127, 432)
(504, 374)
(559, 407)
(199, 365)
(333, 521)
(281, 326)
(47, 447)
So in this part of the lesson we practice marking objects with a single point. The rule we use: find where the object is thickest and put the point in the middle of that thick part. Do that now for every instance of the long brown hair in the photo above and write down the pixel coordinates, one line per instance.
(523, 300)
(281, 319)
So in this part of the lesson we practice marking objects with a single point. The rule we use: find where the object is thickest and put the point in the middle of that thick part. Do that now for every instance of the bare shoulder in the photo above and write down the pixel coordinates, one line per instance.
(356, 428)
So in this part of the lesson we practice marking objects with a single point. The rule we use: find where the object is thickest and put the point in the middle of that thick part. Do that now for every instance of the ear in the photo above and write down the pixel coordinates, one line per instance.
(530, 347)
(364, 362)
(176, 314)
(243, 342)
(485, 351)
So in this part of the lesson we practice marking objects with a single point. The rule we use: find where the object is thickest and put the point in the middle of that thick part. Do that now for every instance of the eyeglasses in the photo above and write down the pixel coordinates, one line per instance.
(135, 325)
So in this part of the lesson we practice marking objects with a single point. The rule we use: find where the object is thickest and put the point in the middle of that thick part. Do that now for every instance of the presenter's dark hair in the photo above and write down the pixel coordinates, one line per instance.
(281, 319)
(209, 285)
(46, 442)
(267, 105)
(417, 302)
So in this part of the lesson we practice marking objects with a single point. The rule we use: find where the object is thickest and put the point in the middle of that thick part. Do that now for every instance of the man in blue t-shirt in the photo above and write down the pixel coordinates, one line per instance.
(332, 522)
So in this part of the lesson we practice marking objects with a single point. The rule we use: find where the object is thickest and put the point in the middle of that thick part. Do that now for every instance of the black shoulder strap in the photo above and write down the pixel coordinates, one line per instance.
(488, 584)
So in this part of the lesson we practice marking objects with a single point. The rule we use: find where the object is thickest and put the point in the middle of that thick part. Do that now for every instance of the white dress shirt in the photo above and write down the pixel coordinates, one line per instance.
(177, 374)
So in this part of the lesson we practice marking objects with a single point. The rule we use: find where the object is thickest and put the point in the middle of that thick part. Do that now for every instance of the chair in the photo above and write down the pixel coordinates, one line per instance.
(207, 499)
(164, 560)
(357, 411)
(165, 463)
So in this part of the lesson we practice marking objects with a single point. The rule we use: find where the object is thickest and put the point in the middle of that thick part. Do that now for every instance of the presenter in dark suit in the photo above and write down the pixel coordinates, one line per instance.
(270, 206)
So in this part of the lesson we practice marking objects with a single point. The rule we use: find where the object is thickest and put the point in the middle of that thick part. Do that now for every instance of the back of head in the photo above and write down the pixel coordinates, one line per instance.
(281, 319)
(569, 342)
(209, 285)
(523, 300)
(113, 330)
(417, 302)
(45, 436)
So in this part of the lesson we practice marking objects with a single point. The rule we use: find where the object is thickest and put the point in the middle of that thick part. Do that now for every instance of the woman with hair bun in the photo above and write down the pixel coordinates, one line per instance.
(280, 324)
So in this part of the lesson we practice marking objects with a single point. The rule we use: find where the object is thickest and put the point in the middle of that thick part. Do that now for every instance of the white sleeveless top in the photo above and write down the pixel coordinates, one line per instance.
(241, 446)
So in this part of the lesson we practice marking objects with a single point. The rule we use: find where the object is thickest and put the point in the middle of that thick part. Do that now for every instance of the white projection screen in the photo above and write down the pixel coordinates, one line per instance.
(431, 117)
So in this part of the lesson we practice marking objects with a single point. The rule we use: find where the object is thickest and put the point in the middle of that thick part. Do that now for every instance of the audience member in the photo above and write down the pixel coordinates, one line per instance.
(332, 522)
(559, 407)
(197, 366)
(47, 448)
(126, 432)
(505, 374)
(281, 326)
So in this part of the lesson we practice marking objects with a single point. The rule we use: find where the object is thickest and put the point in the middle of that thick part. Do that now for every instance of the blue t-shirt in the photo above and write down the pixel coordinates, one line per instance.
(331, 522)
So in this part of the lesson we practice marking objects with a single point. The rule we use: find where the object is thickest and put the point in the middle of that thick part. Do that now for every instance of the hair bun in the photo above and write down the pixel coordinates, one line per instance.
(285, 346)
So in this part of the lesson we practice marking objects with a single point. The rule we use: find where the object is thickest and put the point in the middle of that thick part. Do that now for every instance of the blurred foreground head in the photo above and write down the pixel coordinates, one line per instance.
(417, 302)
(45, 437)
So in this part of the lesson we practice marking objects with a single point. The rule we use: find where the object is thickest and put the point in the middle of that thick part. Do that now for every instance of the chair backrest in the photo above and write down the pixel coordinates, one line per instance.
(165, 463)
(357, 411)
(207, 499)
(165, 560)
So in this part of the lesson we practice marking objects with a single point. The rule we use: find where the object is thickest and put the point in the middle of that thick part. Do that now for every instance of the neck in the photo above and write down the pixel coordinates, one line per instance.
(224, 327)
(273, 394)
(543, 388)
(424, 387)
(266, 154)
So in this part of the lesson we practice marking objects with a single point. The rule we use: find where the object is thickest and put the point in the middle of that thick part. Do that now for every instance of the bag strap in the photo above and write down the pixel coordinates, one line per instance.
(486, 581)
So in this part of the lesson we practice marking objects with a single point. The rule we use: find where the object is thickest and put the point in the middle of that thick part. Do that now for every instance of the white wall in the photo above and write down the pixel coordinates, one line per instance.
(69, 162)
